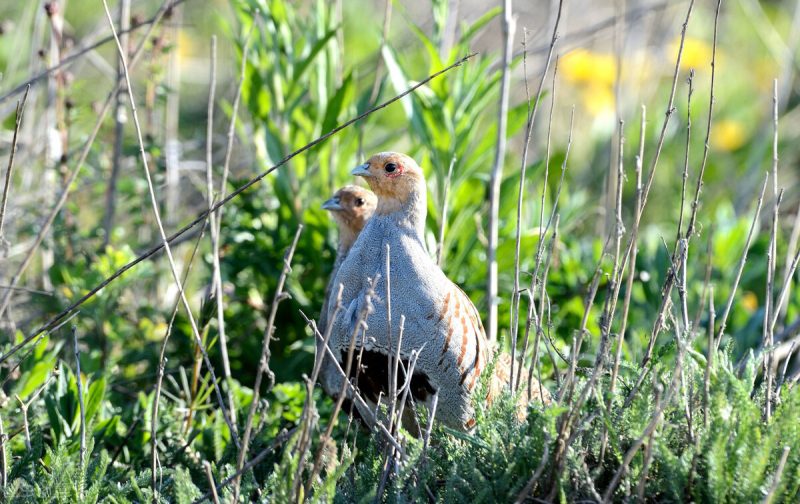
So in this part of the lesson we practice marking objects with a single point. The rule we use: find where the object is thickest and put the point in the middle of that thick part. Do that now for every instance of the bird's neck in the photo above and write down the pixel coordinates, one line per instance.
(409, 213)
(347, 237)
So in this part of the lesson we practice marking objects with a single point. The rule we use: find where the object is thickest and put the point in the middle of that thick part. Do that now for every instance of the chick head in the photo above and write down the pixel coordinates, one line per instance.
(351, 207)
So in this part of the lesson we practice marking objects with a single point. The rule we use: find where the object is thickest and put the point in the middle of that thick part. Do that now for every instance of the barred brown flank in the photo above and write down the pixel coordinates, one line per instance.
(445, 307)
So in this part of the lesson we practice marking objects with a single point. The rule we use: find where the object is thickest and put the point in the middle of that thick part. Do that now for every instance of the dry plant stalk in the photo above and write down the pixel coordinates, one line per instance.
(670, 279)
(523, 167)
(533, 317)
(214, 228)
(211, 484)
(120, 119)
(772, 257)
(776, 481)
(162, 360)
(263, 363)
(496, 174)
(82, 409)
(626, 302)
(10, 169)
(3, 460)
(740, 267)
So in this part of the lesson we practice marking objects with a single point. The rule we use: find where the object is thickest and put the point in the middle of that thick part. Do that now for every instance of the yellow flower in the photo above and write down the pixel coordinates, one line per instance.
(750, 301)
(728, 135)
(582, 66)
(696, 53)
(187, 45)
(598, 98)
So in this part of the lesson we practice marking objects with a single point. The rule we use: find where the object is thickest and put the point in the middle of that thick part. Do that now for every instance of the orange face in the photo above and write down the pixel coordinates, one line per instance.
(351, 206)
(392, 175)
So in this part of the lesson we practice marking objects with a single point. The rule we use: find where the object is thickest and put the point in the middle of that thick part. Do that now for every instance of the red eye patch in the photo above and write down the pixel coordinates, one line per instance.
(398, 170)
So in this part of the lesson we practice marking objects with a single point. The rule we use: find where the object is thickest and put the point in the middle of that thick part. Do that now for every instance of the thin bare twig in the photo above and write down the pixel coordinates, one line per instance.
(772, 258)
(263, 363)
(81, 482)
(533, 316)
(523, 167)
(794, 238)
(7, 184)
(776, 480)
(223, 185)
(157, 248)
(120, 118)
(496, 174)
(362, 406)
(740, 268)
(26, 427)
(216, 283)
(669, 282)
(712, 315)
(3, 460)
(162, 361)
(626, 303)
(210, 477)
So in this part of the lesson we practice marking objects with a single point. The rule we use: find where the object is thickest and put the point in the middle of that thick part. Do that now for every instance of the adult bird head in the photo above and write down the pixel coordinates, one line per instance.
(396, 179)
(351, 207)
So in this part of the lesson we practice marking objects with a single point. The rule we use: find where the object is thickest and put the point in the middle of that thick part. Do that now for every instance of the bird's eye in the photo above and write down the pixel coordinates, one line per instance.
(359, 202)
(390, 167)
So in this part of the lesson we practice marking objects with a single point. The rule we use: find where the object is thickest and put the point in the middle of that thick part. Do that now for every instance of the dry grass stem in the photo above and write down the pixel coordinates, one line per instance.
(776, 480)
(3, 459)
(740, 267)
(120, 118)
(263, 363)
(162, 362)
(81, 483)
(772, 258)
(10, 169)
(211, 484)
(496, 174)
(214, 228)
(521, 187)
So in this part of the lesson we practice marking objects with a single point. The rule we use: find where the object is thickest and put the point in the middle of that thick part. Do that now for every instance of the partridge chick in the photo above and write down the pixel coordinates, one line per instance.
(441, 323)
(351, 207)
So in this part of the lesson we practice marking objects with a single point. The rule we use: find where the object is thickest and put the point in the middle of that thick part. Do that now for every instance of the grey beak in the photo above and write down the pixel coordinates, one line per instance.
(361, 170)
(332, 204)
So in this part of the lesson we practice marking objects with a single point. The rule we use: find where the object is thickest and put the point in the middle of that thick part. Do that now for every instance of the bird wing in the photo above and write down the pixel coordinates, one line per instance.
(461, 322)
